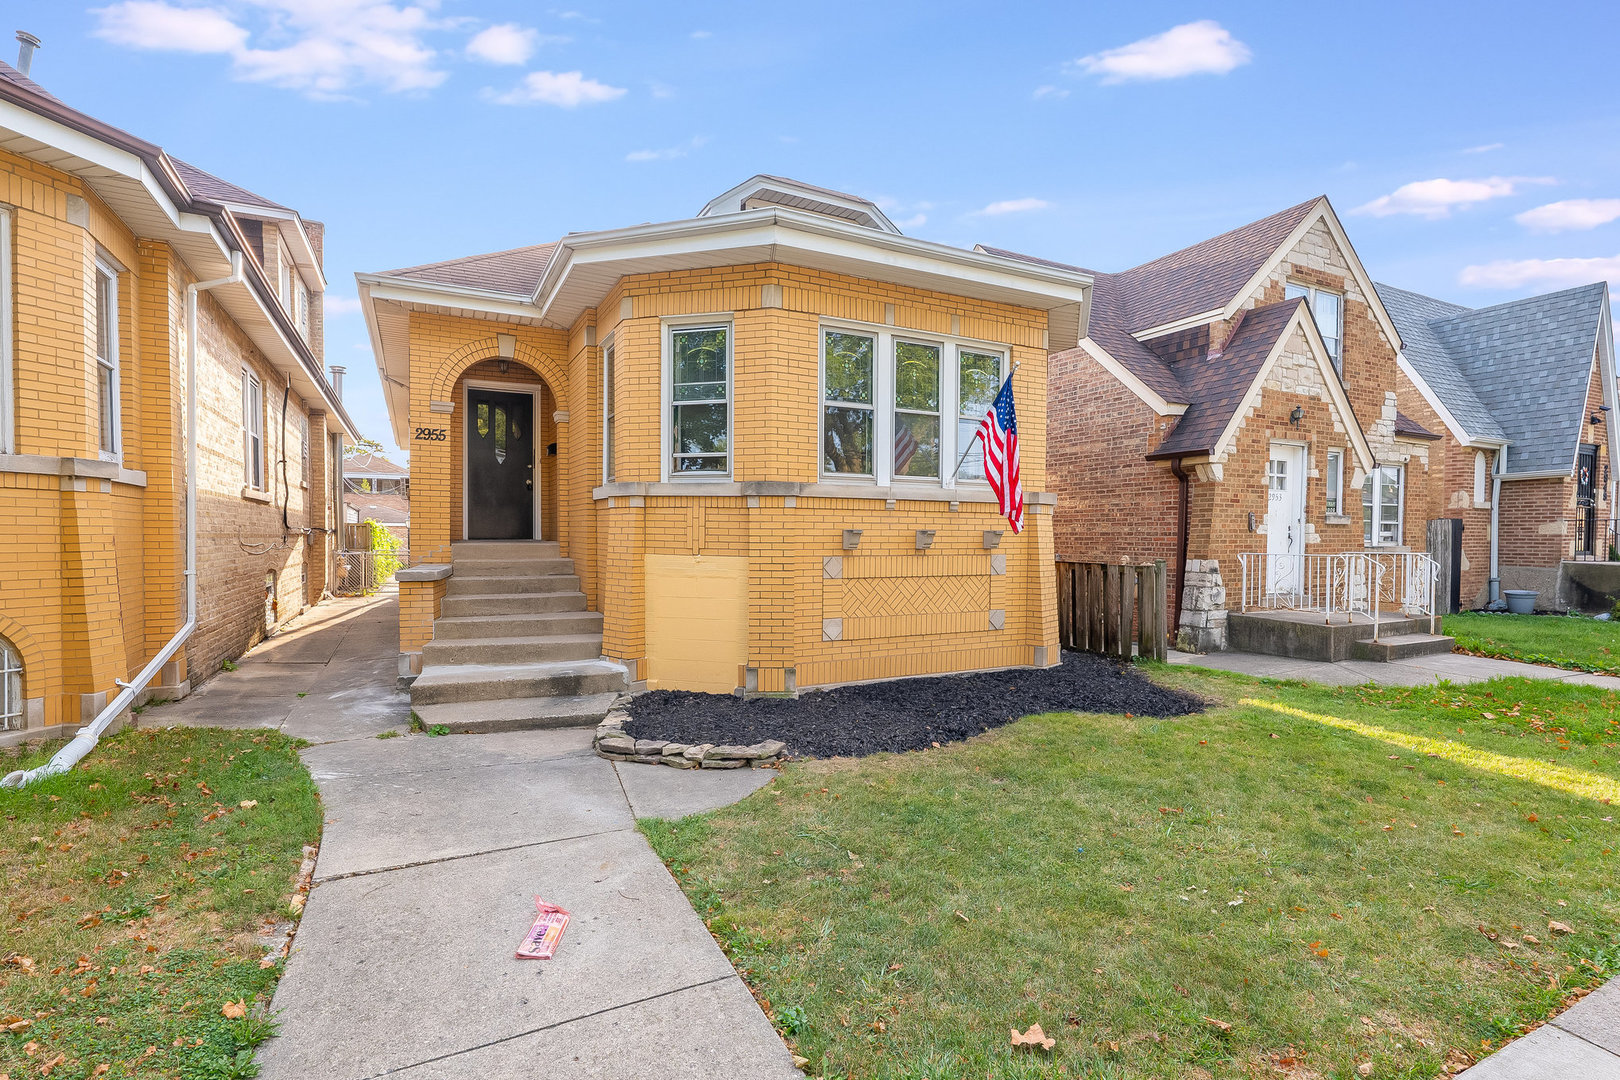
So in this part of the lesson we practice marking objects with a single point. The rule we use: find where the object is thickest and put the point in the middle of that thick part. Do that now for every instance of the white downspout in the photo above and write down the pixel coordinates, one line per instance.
(85, 741)
(1494, 591)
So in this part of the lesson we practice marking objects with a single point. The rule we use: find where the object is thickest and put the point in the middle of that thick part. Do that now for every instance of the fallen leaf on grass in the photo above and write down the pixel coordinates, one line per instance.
(1219, 1025)
(1364, 1069)
(248, 804)
(1560, 928)
(234, 1010)
(1032, 1039)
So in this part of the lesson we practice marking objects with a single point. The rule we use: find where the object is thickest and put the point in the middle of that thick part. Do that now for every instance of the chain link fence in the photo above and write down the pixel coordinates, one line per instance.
(361, 573)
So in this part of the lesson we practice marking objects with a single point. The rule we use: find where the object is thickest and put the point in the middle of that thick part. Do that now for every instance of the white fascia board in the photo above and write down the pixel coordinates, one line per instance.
(1318, 351)
(1427, 393)
(393, 372)
(1026, 285)
(1542, 474)
(292, 231)
(404, 291)
(1126, 377)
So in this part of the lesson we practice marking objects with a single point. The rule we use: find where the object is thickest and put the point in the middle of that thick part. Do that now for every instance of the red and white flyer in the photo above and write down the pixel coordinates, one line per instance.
(541, 941)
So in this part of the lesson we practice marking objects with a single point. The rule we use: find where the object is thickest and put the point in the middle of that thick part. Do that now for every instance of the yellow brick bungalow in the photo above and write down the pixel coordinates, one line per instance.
(735, 437)
(166, 497)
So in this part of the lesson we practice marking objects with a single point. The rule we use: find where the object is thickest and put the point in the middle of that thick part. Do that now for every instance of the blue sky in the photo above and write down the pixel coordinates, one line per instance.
(1473, 150)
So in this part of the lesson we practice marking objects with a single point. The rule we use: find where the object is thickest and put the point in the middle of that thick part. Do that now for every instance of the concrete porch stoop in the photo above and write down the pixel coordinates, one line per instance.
(1309, 635)
(514, 646)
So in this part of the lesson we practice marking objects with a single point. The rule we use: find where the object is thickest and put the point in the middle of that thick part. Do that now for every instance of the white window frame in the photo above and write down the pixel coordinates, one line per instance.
(1333, 484)
(8, 421)
(1372, 517)
(610, 378)
(666, 425)
(1482, 484)
(13, 710)
(252, 431)
(112, 420)
(1310, 293)
(959, 448)
(883, 402)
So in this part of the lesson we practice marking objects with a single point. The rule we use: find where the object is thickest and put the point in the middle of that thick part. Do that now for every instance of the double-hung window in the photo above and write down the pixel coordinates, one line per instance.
(700, 399)
(1328, 307)
(252, 431)
(107, 360)
(608, 383)
(895, 408)
(11, 699)
(1381, 499)
(848, 393)
(978, 383)
(1333, 482)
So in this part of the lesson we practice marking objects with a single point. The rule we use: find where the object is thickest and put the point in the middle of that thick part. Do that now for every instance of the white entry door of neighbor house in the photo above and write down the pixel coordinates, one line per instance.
(1285, 519)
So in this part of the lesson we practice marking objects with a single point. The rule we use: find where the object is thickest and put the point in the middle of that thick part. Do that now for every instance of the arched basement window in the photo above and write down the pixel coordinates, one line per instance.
(11, 699)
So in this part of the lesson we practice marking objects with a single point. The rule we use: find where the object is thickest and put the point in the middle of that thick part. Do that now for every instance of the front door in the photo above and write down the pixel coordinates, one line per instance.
(1586, 499)
(1285, 519)
(500, 465)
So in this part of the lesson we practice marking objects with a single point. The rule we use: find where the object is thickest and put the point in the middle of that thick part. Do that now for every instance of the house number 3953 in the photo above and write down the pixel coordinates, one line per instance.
(431, 434)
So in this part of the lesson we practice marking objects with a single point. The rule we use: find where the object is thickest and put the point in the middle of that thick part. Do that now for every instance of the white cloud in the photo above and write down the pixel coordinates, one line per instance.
(505, 43)
(335, 304)
(702, 35)
(1437, 198)
(1485, 149)
(1054, 92)
(668, 153)
(566, 89)
(1012, 206)
(324, 48)
(1541, 273)
(1196, 48)
(1570, 214)
(148, 24)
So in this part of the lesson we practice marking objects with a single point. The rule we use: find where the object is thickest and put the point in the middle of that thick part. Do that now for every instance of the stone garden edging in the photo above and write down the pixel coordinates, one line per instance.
(612, 743)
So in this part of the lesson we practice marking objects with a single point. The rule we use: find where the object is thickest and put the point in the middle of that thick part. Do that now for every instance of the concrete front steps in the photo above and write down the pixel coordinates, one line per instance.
(1308, 635)
(514, 646)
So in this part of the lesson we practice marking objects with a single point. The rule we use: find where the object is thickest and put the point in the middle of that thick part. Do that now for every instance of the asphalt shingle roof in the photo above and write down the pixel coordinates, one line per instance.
(1521, 366)
(206, 185)
(516, 272)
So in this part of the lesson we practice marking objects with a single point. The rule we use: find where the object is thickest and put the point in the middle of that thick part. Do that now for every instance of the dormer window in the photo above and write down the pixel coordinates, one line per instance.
(1328, 308)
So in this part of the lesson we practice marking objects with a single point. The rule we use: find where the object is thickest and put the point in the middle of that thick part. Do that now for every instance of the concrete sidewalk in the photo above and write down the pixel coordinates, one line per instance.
(432, 854)
(1456, 667)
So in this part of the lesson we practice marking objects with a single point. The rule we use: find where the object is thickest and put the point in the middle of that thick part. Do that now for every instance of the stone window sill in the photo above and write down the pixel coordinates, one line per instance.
(255, 495)
(1339, 519)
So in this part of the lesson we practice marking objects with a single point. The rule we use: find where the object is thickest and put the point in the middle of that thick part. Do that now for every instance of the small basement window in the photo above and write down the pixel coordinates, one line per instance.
(11, 699)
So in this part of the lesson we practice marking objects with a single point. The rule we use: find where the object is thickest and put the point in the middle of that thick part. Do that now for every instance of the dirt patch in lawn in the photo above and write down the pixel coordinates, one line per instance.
(906, 714)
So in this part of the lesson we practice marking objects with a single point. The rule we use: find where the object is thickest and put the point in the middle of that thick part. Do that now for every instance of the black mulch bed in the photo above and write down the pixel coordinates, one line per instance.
(907, 714)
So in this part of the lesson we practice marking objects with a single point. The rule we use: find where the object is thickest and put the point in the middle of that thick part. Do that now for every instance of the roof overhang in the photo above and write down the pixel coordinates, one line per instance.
(140, 186)
(291, 227)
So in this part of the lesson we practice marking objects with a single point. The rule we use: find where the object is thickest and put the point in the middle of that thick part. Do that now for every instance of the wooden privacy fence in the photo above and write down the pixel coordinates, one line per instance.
(1107, 607)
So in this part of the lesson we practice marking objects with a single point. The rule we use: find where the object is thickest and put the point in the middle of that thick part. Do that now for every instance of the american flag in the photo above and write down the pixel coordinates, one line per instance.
(999, 433)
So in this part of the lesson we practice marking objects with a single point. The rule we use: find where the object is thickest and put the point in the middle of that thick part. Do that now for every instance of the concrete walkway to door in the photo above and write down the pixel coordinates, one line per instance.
(433, 852)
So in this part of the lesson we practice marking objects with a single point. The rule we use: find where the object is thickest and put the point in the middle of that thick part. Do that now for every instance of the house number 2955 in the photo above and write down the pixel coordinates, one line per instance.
(431, 434)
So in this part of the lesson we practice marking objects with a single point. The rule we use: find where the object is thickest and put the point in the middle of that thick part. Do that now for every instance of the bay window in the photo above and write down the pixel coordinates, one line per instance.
(916, 409)
(1328, 308)
(847, 413)
(1381, 506)
(978, 383)
(700, 392)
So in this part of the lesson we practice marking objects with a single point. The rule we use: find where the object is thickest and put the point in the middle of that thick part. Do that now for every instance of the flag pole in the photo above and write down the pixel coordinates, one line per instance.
(978, 434)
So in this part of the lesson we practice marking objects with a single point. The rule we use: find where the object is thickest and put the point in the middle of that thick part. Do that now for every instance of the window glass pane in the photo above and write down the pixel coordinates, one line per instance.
(968, 441)
(1367, 511)
(500, 434)
(916, 445)
(700, 357)
(1334, 479)
(483, 420)
(848, 362)
(708, 391)
(700, 429)
(981, 381)
(11, 699)
(104, 392)
(607, 383)
(916, 377)
(1327, 314)
(1292, 291)
(846, 441)
(103, 315)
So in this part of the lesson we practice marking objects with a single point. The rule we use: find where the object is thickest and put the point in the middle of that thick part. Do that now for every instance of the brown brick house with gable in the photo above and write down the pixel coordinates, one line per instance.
(1235, 397)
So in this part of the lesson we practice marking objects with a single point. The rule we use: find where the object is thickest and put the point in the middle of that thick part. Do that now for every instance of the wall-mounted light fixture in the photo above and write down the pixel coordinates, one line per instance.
(1251, 521)
(1297, 415)
(506, 348)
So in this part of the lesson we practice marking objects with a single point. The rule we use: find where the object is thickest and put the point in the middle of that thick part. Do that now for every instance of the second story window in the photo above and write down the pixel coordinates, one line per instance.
(700, 392)
(252, 431)
(107, 360)
(1328, 308)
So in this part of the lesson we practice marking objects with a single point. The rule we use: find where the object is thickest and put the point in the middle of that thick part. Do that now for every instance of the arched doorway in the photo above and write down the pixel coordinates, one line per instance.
(506, 442)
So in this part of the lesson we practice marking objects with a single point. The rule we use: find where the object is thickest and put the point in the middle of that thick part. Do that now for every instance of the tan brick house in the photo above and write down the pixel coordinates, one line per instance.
(717, 454)
(1235, 409)
(121, 268)
(1524, 394)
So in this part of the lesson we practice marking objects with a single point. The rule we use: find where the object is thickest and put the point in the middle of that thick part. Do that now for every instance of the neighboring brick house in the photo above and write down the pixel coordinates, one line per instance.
(1524, 393)
(101, 233)
(741, 428)
(1239, 397)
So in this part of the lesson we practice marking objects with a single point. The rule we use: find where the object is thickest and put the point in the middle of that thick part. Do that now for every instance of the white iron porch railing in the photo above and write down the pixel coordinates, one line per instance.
(1345, 583)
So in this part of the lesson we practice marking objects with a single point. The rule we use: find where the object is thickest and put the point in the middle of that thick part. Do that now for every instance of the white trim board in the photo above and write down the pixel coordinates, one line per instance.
(1126, 377)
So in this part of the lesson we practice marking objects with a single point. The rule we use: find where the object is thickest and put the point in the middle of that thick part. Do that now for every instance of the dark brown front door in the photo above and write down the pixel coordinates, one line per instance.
(1586, 498)
(500, 465)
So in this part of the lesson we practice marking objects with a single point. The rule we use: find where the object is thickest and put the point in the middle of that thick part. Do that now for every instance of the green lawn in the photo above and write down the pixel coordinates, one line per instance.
(142, 899)
(1566, 641)
(1294, 863)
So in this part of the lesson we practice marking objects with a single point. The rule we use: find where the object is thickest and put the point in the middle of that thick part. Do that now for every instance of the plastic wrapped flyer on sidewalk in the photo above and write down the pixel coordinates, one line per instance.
(541, 941)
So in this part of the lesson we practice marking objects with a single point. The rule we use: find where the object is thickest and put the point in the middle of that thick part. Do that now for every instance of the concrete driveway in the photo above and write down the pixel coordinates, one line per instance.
(433, 852)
